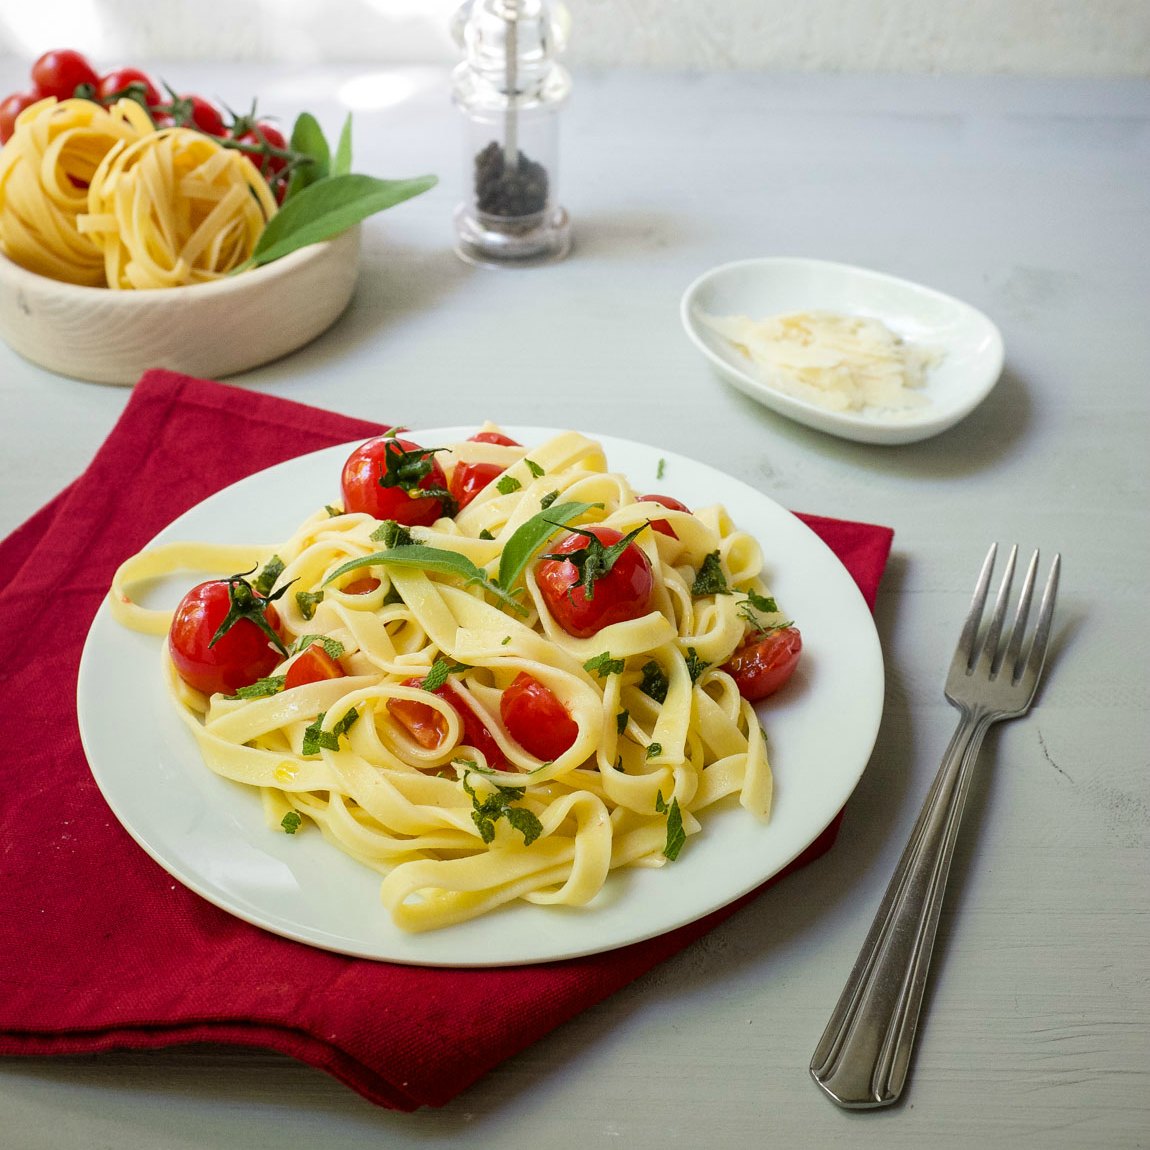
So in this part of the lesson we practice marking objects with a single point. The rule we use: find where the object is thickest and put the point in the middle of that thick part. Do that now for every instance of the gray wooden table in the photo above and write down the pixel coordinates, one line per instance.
(1030, 200)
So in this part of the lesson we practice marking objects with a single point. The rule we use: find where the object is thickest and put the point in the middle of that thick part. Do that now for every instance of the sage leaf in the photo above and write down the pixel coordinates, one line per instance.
(327, 208)
(307, 137)
(434, 559)
(531, 535)
(341, 164)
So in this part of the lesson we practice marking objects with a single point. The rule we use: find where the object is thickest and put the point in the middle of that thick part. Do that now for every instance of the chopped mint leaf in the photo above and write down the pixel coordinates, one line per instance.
(437, 676)
(548, 499)
(392, 534)
(621, 721)
(764, 603)
(497, 805)
(695, 665)
(710, 580)
(660, 804)
(485, 534)
(654, 684)
(676, 836)
(506, 639)
(534, 468)
(316, 738)
(603, 665)
(654, 750)
(267, 577)
(261, 688)
(332, 512)
(308, 601)
(333, 647)
(660, 469)
(507, 484)
(291, 822)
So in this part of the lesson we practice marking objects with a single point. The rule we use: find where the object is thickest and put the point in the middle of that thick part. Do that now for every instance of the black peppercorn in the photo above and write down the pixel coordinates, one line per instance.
(508, 192)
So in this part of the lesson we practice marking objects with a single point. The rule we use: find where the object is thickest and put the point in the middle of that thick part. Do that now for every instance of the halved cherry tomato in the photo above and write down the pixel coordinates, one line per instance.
(60, 72)
(764, 664)
(427, 726)
(364, 586)
(314, 665)
(10, 111)
(469, 479)
(661, 525)
(412, 470)
(536, 719)
(120, 80)
(622, 592)
(243, 654)
(493, 437)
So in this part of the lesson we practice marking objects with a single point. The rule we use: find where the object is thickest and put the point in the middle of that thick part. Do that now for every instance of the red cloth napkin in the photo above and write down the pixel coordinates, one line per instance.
(99, 948)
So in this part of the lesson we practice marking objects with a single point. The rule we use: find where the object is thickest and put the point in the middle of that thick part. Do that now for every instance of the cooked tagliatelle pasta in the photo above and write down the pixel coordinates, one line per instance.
(101, 197)
(660, 731)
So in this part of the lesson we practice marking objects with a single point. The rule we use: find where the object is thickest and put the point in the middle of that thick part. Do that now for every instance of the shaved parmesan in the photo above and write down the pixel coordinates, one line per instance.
(839, 362)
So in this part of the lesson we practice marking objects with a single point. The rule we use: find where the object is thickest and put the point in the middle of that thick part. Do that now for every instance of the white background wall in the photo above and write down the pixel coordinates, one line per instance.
(1024, 37)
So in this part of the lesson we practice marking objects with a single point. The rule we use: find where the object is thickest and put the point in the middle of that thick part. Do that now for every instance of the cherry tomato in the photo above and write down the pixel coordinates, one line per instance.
(493, 437)
(264, 135)
(313, 666)
(119, 80)
(367, 466)
(10, 109)
(237, 659)
(364, 586)
(763, 664)
(205, 116)
(427, 726)
(469, 479)
(60, 72)
(623, 592)
(661, 525)
(536, 719)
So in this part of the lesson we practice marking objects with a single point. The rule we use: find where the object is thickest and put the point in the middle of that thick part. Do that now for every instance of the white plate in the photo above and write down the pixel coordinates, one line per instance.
(209, 832)
(759, 288)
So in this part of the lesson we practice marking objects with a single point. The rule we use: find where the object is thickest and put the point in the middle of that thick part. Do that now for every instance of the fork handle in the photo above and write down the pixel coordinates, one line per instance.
(862, 1058)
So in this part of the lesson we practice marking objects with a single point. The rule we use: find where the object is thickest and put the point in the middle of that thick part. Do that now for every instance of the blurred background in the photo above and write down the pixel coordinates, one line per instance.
(1005, 37)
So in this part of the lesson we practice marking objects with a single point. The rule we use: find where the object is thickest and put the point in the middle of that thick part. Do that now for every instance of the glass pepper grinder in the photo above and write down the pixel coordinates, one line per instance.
(510, 88)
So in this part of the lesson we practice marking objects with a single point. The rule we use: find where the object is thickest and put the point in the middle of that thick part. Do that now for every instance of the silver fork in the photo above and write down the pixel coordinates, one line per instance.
(862, 1058)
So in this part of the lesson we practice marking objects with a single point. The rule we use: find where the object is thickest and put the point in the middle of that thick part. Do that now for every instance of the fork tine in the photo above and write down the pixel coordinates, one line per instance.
(1045, 618)
(988, 656)
(1010, 660)
(964, 652)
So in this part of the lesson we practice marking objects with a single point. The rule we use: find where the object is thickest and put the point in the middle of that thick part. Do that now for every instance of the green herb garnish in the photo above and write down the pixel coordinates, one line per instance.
(710, 580)
(307, 601)
(530, 535)
(261, 688)
(654, 750)
(392, 534)
(291, 822)
(497, 805)
(333, 647)
(603, 665)
(316, 738)
(534, 468)
(507, 484)
(655, 684)
(269, 573)
(676, 836)
(621, 721)
(695, 665)
(548, 499)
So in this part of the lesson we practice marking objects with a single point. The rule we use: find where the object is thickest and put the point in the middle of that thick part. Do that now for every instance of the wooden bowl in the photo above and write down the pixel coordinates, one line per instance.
(211, 330)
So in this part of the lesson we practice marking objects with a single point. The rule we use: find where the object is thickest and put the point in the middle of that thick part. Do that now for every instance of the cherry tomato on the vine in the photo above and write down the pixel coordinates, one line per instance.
(385, 476)
(765, 662)
(661, 525)
(536, 719)
(60, 72)
(204, 115)
(469, 479)
(240, 656)
(493, 437)
(619, 592)
(314, 665)
(10, 110)
(427, 727)
(265, 136)
(120, 80)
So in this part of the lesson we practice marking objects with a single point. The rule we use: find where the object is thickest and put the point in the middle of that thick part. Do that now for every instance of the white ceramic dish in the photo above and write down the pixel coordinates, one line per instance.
(210, 833)
(758, 288)
(212, 330)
